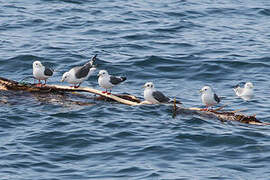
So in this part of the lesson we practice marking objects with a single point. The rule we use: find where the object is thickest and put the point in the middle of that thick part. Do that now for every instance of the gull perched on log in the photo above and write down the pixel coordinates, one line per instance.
(152, 95)
(41, 72)
(79, 74)
(107, 81)
(209, 97)
(246, 92)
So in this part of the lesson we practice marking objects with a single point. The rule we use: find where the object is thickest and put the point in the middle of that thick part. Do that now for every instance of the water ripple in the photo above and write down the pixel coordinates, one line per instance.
(180, 46)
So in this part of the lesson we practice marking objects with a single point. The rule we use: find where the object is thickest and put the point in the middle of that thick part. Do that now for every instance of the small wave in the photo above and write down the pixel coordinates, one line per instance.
(265, 12)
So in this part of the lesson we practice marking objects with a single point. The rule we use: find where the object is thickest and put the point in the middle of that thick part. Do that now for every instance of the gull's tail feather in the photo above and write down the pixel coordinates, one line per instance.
(93, 60)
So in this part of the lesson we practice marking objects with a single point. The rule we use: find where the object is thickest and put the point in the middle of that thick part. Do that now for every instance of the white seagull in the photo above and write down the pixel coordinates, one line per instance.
(41, 72)
(79, 74)
(209, 98)
(246, 92)
(152, 95)
(107, 81)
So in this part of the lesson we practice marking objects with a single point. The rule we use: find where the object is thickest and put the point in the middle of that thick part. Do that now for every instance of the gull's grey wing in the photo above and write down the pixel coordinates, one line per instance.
(116, 80)
(160, 97)
(48, 71)
(82, 71)
(238, 91)
(217, 99)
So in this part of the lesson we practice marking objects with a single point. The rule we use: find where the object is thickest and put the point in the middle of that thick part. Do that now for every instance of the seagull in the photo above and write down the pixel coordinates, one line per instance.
(41, 72)
(246, 92)
(209, 98)
(107, 81)
(152, 95)
(79, 74)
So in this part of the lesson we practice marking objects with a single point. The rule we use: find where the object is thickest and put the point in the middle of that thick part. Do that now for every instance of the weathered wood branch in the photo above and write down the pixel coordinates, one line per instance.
(222, 115)
(6, 84)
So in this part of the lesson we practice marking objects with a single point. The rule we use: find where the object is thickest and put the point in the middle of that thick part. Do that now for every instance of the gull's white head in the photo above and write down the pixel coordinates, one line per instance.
(65, 76)
(37, 64)
(249, 85)
(206, 89)
(149, 85)
(103, 73)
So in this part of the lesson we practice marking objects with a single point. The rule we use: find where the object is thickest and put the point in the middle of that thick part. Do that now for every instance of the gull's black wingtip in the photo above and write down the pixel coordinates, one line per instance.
(236, 86)
(123, 78)
(239, 85)
(93, 60)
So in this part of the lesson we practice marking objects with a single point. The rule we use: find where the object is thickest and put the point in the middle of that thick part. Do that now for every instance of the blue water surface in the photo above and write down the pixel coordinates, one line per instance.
(180, 45)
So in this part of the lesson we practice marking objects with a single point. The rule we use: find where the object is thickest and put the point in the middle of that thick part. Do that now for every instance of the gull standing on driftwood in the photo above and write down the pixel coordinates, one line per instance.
(209, 97)
(152, 95)
(41, 72)
(79, 74)
(107, 81)
(246, 92)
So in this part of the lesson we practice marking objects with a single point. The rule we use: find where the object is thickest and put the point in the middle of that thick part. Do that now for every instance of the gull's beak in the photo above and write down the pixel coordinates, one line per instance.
(63, 79)
(143, 86)
(200, 91)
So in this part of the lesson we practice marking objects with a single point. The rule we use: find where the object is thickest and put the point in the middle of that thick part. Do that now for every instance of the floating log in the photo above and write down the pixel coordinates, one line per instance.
(222, 115)
(6, 84)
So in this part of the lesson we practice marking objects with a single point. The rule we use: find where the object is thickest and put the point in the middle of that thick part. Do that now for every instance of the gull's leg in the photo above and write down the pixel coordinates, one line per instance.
(77, 86)
(39, 83)
(109, 93)
(74, 85)
(104, 92)
(205, 109)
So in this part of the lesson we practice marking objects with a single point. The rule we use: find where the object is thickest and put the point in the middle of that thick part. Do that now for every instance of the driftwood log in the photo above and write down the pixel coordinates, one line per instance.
(6, 85)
